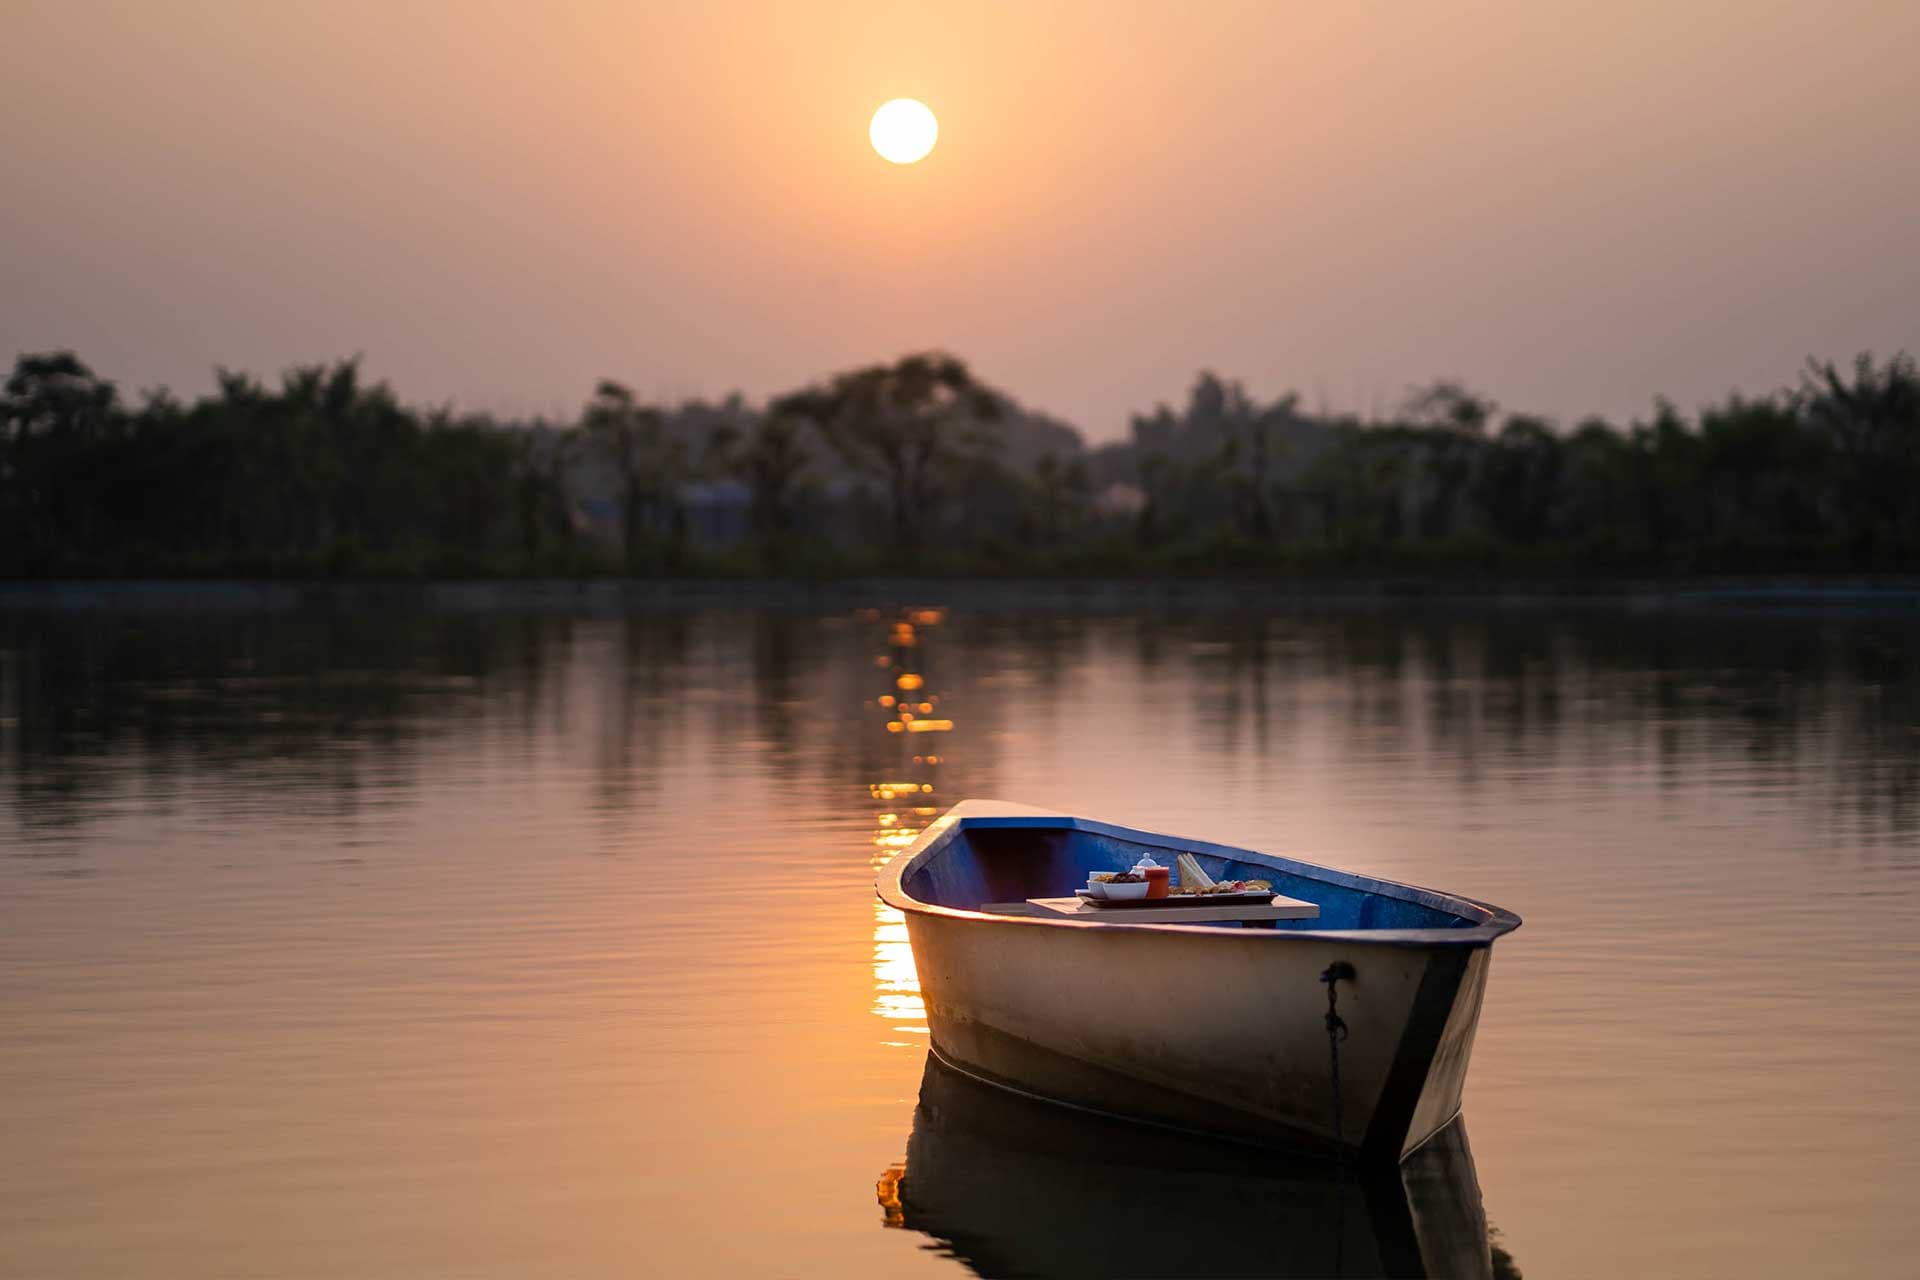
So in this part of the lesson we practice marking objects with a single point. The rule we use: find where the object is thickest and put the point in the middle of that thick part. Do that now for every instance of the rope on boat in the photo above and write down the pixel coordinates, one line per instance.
(1336, 1032)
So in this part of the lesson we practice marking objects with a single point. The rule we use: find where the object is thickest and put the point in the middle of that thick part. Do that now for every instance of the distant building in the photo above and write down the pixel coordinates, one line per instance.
(717, 512)
(1120, 499)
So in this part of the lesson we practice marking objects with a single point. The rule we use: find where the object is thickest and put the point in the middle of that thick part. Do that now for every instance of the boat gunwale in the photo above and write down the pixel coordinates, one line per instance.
(890, 883)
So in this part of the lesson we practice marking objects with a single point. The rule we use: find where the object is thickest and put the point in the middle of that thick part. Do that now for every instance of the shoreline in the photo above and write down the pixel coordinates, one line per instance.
(1771, 594)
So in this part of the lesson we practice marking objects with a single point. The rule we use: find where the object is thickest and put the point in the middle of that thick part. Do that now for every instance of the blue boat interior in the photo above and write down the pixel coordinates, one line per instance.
(994, 862)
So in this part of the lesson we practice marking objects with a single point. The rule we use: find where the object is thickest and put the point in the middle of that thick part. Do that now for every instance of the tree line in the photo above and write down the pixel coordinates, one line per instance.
(919, 466)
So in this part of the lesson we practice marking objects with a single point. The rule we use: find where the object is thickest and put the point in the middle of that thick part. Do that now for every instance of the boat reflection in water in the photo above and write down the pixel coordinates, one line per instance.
(1014, 1187)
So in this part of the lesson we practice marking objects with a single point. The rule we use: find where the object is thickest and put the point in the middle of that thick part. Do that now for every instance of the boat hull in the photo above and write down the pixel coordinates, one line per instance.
(1223, 1033)
(1219, 1030)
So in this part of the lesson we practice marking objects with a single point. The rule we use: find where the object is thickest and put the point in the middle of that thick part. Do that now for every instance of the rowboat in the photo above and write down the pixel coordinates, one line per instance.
(1014, 1187)
(1348, 1032)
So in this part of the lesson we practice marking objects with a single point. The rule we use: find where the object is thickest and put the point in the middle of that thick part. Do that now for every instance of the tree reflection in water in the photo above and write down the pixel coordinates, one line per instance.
(1015, 1187)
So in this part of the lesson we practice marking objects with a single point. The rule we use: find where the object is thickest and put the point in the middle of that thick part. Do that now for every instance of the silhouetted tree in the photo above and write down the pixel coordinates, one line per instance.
(1600, 490)
(57, 418)
(1061, 492)
(326, 472)
(1158, 476)
(1448, 458)
(901, 423)
(649, 464)
(773, 463)
(1519, 483)
(1665, 471)
(1451, 406)
(1873, 422)
(540, 460)
(1762, 471)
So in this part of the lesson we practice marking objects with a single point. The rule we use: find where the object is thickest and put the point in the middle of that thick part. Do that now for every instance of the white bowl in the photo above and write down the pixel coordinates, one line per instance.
(1095, 889)
(1126, 892)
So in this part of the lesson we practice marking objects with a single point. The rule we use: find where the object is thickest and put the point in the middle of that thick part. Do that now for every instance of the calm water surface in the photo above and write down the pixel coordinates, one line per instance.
(378, 939)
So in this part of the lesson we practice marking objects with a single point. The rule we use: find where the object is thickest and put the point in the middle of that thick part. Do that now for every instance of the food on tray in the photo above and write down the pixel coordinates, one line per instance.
(1224, 886)
(1102, 877)
(1120, 877)
(1192, 875)
(1158, 878)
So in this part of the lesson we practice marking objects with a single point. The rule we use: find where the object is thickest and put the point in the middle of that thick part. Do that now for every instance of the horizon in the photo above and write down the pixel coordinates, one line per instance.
(1571, 213)
(1404, 410)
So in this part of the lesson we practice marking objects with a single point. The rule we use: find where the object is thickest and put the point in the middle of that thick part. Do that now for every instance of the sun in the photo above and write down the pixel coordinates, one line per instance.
(903, 130)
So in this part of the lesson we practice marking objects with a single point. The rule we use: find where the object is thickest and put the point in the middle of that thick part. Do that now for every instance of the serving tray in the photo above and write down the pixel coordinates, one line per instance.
(1182, 900)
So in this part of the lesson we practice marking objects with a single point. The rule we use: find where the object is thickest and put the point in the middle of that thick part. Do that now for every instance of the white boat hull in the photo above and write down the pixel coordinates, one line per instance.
(1220, 1030)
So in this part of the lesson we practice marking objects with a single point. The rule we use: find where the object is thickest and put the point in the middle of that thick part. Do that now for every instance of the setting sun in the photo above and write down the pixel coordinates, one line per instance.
(903, 130)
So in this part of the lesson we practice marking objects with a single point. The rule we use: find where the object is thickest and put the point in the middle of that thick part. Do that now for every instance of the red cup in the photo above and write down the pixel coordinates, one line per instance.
(1157, 880)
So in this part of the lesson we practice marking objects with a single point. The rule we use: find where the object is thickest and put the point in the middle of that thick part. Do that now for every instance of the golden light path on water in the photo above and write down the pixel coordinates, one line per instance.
(896, 985)
(904, 802)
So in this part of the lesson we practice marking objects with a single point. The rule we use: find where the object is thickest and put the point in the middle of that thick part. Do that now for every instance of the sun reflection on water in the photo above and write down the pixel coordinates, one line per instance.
(904, 797)
(896, 984)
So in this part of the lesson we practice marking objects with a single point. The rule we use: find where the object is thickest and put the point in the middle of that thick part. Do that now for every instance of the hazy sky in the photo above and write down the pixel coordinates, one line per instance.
(1571, 206)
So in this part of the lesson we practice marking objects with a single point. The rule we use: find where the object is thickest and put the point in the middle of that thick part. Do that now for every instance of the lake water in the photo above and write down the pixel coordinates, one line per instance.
(403, 934)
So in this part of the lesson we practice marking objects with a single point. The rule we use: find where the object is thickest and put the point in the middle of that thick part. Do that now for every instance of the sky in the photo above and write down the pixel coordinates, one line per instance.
(1572, 207)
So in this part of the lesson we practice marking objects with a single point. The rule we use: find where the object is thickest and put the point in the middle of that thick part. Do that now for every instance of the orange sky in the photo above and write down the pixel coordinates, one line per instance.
(1570, 206)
